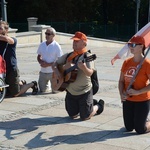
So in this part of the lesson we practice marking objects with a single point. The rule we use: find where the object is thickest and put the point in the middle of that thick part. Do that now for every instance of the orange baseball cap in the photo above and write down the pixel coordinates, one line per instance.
(79, 36)
(137, 40)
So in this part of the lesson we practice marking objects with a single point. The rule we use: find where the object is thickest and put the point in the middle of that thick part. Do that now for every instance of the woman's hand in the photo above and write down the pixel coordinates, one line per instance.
(131, 92)
(123, 97)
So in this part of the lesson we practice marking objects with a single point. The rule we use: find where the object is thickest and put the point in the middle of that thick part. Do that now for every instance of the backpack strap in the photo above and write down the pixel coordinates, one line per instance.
(5, 50)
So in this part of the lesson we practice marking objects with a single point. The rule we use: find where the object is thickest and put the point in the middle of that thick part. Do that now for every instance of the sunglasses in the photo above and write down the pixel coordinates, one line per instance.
(48, 34)
(133, 45)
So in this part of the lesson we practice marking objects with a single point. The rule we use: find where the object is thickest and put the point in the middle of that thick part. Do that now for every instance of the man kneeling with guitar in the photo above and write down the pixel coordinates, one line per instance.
(72, 72)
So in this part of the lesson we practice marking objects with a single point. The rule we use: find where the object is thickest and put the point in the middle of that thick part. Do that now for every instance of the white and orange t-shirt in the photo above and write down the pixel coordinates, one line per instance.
(129, 68)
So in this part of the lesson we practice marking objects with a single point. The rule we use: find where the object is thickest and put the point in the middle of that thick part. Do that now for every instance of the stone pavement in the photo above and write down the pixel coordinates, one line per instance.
(40, 122)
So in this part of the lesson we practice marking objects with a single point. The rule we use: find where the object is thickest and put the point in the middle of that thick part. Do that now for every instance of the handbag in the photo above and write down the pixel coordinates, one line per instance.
(2, 62)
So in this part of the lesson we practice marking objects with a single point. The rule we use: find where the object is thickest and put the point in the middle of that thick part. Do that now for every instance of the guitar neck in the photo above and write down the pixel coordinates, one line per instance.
(70, 69)
(87, 59)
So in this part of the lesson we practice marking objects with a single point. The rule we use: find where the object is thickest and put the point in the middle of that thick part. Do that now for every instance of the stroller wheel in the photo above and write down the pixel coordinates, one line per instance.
(2, 90)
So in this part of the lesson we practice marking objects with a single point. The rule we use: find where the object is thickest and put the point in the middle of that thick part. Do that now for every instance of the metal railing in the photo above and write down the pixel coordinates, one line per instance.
(93, 29)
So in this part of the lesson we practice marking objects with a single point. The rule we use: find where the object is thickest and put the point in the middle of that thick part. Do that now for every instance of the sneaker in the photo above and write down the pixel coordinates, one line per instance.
(101, 106)
(95, 102)
(35, 88)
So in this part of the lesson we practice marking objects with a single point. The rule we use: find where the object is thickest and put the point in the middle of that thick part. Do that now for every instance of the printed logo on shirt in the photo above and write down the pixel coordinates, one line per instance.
(130, 73)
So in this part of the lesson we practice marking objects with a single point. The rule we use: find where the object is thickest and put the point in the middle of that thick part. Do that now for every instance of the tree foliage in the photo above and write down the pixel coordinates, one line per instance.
(102, 11)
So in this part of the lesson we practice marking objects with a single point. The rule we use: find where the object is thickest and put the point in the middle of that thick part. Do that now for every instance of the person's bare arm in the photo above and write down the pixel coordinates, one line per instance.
(123, 95)
(85, 69)
(7, 39)
(55, 69)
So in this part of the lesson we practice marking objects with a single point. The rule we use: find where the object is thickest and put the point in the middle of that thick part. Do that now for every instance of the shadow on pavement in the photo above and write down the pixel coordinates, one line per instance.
(25, 125)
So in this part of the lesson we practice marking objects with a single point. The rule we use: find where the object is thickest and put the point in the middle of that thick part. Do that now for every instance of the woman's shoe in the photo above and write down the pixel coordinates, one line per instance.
(35, 88)
(23, 82)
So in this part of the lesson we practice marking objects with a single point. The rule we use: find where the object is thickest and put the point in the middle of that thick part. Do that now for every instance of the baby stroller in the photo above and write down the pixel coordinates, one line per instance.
(3, 85)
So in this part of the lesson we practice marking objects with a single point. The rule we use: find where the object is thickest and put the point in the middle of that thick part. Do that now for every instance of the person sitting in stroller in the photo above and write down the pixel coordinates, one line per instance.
(8, 51)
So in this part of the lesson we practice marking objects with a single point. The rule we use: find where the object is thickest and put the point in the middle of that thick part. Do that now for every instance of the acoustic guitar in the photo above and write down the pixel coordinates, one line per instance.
(68, 74)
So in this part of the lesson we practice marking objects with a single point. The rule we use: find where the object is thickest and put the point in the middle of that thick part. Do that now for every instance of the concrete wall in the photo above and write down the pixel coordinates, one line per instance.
(64, 38)
(30, 38)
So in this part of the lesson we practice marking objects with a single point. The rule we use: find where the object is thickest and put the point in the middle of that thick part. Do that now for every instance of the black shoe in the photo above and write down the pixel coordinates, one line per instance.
(24, 82)
(95, 102)
(101, 106)
(35, 88)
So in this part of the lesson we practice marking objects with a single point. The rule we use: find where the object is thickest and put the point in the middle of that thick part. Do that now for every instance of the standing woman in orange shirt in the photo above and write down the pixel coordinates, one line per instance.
(136, 100)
